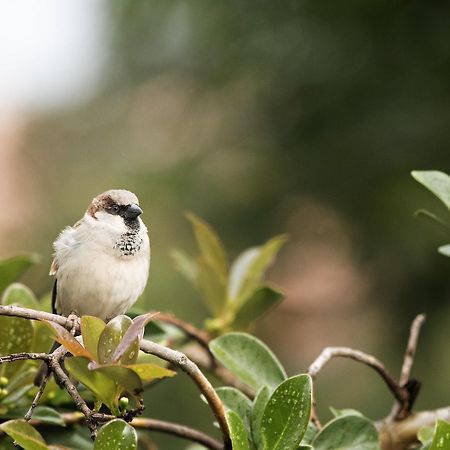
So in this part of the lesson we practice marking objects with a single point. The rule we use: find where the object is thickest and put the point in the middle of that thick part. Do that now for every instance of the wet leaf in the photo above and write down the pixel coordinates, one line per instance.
(101, 385)
(347, 433)
(236, 401)
(91, 329)
(210, 245)
(111, 337)
(12, 269)
(238, 434)
(248, 270)
(149, 372)
(24, 434)
(249, 359)
(66, 339)
(117, 435)
(260, 301)
(128, 349)
(259, 405)
(19, 294)
(287, 413)
(16, 335)
(441, 439)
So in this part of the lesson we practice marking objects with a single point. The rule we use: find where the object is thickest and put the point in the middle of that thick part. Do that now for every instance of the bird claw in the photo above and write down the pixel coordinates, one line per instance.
(72, 317)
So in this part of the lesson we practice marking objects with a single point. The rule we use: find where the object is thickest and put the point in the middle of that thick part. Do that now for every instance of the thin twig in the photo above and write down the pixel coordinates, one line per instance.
(38, 396)
(73, 392)
(401, 409)
(332, 352)
(186, 365)
(162, 426)
(411, 349)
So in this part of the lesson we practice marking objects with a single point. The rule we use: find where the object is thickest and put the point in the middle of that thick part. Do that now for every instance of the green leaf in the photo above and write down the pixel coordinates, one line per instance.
(259, 405)
(91, 330)
(259, 302)
(24, 434)
(249, 268)
(127, 379)
(286, 415)
(128, 349)
(441, 439)
(16, 335)
(185, 265)
(347, 433)
(111, 337)
(310, 434)
(19, 294)
(116, 434)
(210, 245)
(101, 385)
(238, 434)
(149, 372)
(12, 269)
(249, 359)
(212, 287)
(236, 401)
(344, 412)
(444, 250)
(437, 182)
(66, 339)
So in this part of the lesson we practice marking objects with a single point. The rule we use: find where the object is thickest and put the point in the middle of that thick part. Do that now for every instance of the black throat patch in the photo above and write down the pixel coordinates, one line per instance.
(129, 243)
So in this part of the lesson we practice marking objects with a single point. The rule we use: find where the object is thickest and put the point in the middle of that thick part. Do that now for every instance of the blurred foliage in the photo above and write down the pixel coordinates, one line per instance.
(236, 295)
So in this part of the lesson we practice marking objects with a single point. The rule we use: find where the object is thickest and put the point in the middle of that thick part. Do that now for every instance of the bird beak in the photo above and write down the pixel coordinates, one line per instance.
(132, 211)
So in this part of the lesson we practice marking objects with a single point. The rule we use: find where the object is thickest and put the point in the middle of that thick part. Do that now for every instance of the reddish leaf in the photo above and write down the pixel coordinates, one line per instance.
(62, 336)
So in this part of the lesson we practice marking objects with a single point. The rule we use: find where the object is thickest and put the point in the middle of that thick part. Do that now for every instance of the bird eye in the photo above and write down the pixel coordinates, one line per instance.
(114, 209)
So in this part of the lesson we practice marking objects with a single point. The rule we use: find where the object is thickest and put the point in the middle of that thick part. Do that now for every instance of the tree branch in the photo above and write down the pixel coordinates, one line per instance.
(173, 356)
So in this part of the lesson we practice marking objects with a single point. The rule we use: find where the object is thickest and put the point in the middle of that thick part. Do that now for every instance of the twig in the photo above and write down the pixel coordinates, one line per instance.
(401, 409)
(331, 352)
(222, 373)
(22, 356)
(162, 426)
(175, 357)
(38, 396)
(200, 336)
(58, 353)
(73, 392)
(186, 365)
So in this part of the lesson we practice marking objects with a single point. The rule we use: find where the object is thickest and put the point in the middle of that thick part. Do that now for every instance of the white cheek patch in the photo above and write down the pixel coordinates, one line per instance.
(111, 220)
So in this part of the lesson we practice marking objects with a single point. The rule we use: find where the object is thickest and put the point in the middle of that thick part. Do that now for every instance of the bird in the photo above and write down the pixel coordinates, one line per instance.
(101, 264)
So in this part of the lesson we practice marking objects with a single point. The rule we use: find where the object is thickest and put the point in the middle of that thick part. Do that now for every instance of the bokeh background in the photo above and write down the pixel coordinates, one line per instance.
(262, 117)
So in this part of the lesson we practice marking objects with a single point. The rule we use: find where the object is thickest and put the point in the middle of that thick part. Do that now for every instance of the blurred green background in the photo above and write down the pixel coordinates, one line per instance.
(262, 117)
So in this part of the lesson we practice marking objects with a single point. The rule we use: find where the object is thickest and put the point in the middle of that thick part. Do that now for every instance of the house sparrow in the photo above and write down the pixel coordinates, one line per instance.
(101, 264)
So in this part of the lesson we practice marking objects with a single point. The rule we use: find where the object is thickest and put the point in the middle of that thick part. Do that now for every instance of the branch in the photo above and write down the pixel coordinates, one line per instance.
(331, 352)
(174, 357)
(186, 365)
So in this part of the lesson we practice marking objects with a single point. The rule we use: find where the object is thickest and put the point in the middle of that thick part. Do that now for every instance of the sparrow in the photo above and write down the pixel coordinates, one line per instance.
(101, 264)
